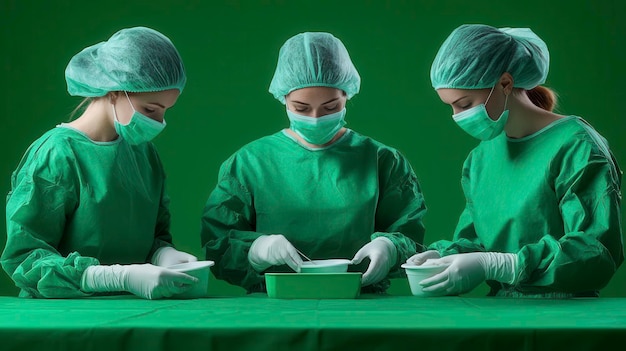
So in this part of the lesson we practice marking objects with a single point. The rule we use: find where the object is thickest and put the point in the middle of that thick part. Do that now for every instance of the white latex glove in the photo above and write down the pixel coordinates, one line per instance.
(468, 270)
(382, 254)
(273, 250)
(144, 280)
(168, 256)
(421, 257)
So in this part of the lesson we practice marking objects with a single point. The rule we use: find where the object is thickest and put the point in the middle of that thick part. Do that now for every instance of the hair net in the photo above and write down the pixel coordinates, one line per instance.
(135, 59)
(314, 59)
(475, 56)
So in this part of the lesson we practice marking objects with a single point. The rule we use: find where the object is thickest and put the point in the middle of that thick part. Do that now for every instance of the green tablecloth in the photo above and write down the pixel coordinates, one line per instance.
(257, 322)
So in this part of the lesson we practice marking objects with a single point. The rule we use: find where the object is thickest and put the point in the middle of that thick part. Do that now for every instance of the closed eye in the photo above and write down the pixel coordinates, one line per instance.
(462, 105)
(300, 107)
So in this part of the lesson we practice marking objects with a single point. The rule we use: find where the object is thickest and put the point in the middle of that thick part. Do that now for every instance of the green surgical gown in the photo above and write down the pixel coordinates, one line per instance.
(74, 203)
(328, 203)
(554, 199)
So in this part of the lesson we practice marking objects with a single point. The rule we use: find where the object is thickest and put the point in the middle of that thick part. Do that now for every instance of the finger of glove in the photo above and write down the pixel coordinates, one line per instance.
(174, 284)
(415, 259)
(438, 261)
(177, 288)
(365, 279)
(292, 258)
(181, 257)
(178, 278)
(434, 280)
(278, 249)
(360, 255)
(441, 288)
(189, 258)
(374, 272)
(422, 257)
(372, 277)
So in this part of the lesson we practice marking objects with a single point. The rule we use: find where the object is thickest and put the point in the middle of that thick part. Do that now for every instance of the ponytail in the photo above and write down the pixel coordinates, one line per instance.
(542, 97)
(81, 107)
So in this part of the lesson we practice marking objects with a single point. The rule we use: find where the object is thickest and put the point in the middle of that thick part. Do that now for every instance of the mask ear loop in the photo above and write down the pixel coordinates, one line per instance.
(114, 111)
(489, 96)
(130, 102)
(506, 100)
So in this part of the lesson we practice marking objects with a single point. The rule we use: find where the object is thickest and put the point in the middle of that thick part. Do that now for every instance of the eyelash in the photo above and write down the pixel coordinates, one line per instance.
(148, 110)
(302, 109)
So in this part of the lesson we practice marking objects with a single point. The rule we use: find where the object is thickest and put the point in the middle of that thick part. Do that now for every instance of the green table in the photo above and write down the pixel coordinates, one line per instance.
(257, 322)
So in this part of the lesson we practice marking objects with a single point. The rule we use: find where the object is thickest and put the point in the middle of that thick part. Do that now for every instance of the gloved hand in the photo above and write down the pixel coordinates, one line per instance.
(168, 256)
(382, 254)
(273, 250)
(421, 257)
(144, 280)
(468, 270)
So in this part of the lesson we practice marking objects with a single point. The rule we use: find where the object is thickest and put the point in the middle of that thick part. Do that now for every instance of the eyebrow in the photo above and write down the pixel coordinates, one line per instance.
(457, 100)
(324, 103)
(299, 102)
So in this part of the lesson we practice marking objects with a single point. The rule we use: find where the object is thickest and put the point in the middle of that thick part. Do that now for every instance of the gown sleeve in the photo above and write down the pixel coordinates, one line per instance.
(162, 232)
(228, 230)
(42, 196)
(588, 184)
(401, 208)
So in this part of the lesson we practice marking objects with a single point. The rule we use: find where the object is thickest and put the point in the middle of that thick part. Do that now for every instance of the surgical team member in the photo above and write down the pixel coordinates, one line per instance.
(87, 212)
(542, 217)
(316, 186)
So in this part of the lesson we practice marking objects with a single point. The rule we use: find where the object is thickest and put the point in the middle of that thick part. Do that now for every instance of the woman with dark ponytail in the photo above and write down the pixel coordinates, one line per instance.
(542, 215)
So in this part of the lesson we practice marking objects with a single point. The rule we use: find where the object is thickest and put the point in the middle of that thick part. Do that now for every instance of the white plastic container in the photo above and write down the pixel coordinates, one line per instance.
(416, 274)
(325, 266)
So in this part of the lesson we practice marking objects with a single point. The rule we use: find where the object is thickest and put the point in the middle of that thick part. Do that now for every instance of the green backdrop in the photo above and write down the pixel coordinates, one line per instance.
(230, 50)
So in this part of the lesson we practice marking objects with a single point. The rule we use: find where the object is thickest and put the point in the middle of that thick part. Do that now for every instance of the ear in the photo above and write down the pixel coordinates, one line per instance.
(506, 83)
(112, 96)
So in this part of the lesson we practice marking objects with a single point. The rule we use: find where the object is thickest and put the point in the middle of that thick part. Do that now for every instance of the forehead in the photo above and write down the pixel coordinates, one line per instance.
(166, 98)
(314, 95)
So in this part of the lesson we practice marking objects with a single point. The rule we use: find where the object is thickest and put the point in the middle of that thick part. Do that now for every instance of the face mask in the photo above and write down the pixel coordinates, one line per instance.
(317, 131)
(140, 129)
(476, 121)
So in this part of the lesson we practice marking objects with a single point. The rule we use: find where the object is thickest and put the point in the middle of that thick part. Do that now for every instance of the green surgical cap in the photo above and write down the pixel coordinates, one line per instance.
(135, 59)
(314, 59)
(474, 56)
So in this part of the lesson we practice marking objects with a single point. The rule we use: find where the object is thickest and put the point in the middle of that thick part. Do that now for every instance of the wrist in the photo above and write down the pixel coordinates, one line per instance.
(103, 279)
(502, 267)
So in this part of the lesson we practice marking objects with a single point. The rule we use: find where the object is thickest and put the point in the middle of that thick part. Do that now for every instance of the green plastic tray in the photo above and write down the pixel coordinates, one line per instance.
(313, 285)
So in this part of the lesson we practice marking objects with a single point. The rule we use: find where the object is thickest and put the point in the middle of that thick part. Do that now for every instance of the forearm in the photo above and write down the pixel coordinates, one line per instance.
(572, 264)
(48, 275)
(448, 247)
(230, 251)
